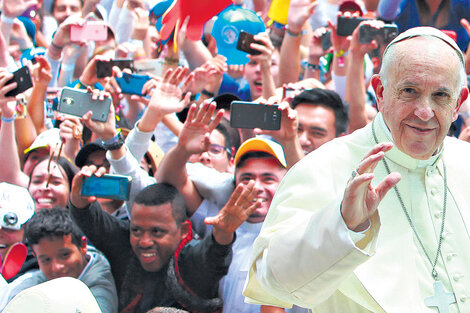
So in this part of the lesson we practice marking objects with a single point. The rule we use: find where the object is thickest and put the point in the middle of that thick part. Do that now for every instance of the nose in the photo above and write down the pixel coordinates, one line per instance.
(424, 111)
(204, 158)
(146, 241)
(56, 267)
(304, 141)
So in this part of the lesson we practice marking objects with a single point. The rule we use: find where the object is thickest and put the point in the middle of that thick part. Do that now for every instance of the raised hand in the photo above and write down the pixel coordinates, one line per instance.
(75, 196)
(41, 73)
(289, 125)
(199, 124)
(5, 76)
(361, 199)
(71, 134)
(106, 130)
(14, 8)
(237, 210)
(299, 12)
(166, 97)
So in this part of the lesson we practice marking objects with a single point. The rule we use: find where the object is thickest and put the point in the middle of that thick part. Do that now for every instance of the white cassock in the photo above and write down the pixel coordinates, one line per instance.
(305, 254)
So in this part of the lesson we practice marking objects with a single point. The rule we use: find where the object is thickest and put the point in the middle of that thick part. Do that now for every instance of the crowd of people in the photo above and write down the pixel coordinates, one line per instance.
(208, 217)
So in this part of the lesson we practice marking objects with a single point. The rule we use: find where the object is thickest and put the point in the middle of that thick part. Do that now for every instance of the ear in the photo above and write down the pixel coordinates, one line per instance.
(185, 230)
(462, 98)
(377, 84)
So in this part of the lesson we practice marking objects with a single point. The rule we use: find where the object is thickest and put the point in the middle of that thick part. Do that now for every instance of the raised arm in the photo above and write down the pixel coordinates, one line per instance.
(287, 135)
(289, 65)
(194, 138)
(10, 173)
(355, 93)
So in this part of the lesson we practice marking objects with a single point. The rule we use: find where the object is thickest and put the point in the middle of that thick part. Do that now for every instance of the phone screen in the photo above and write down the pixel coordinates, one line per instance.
(107, 186)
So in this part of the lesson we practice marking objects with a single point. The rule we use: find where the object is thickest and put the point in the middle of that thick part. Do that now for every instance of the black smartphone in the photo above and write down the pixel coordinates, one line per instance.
(132, 84)
(346, 25)
(254, 115)
(326, 40)
(23, 79)
(383, 36)
(244, 41)
(77, 102)
(108, 186)
(105, 68)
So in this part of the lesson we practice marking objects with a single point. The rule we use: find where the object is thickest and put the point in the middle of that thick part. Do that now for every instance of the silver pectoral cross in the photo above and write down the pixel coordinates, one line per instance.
(441, 298)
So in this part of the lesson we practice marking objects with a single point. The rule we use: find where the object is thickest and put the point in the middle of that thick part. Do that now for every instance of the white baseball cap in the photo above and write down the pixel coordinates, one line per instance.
(16, 206)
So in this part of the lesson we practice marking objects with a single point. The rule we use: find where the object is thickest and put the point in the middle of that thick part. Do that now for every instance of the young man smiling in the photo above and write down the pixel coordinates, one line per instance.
(61, 251)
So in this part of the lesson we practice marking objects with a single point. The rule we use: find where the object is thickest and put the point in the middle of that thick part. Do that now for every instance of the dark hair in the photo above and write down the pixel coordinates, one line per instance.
(329, 99)
(255, 155)
(53, 3)
(55, 222)
(231, 134)
(162, 193)
(69, 169)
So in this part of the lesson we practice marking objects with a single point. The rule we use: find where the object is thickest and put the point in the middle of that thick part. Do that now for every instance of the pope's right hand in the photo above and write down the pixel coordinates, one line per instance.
(361, 199)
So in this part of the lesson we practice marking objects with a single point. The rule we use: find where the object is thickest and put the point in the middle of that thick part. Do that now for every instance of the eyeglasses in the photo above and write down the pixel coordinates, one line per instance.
(216, 150)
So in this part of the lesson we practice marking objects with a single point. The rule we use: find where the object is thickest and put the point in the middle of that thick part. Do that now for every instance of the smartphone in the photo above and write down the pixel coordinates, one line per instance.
(108, 186)
(383, 36)
(77, 102)
(105, 68)
(346, 25)
(23, 79)
(326, 40)
(254, 115)
(152, 66)
(244, 41)
(132, 83)
(91, 30)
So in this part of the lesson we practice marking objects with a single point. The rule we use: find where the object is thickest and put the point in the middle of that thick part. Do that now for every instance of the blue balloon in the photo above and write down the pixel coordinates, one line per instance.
(226, 30)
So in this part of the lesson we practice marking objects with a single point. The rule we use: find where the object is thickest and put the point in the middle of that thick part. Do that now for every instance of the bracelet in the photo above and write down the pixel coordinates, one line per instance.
(291, 33)
(207, 93)
(313, 66)
(112, 140)
(169, 61)
(8, 119)
(56, 47)
(7, 20)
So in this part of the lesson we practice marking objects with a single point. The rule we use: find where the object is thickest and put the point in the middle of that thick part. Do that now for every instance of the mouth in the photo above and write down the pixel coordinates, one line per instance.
(148, 256)
(258, 85)
(44, 202)
(421, 130)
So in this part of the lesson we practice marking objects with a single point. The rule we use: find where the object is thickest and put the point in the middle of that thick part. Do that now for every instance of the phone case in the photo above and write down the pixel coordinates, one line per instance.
(105, 68)
(346, 25)
(383, 35)
(244, 41)
(77, 102)
(132, 83)
(254, 115)
(91, 30)
(23, 79)
(107, 186)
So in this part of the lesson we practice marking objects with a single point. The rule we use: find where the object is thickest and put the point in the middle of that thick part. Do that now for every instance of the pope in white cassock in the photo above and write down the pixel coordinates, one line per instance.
(394, 235)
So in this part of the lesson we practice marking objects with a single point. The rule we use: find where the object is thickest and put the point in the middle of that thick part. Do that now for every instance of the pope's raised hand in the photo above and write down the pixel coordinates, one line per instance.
(361, 199)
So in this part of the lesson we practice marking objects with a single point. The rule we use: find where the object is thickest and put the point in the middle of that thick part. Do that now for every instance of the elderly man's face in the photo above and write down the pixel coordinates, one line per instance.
(422, 95)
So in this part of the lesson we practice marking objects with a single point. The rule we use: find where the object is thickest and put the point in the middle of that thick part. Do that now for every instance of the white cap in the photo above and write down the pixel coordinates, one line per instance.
(61, 295)
(427, 31)
(47, 139)
(16, 206)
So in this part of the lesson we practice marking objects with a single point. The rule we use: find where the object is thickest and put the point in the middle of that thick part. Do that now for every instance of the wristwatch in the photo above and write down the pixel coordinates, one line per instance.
(114, 143)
